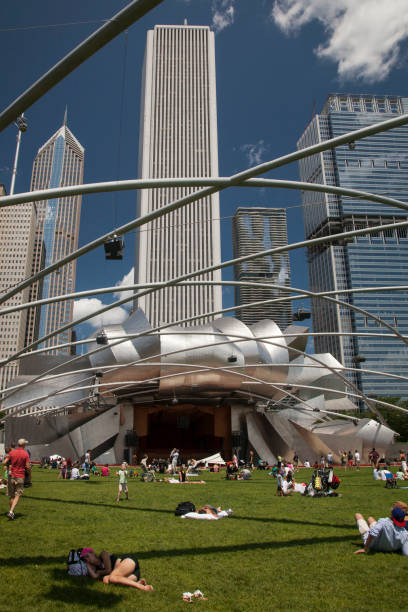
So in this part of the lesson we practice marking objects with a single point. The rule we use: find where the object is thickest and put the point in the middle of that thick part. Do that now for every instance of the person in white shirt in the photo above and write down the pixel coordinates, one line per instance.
(357, 459)
(74, 473)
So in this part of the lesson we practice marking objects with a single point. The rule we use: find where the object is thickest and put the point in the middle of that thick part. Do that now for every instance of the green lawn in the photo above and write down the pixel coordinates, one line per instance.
(274, 553)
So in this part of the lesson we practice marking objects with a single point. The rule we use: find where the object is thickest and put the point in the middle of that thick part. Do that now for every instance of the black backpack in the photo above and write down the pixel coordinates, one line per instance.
(184, 507)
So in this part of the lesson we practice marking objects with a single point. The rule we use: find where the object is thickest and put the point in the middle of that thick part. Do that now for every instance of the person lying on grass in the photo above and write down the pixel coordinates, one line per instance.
(217, 512)
(386, 534)
(113, 569)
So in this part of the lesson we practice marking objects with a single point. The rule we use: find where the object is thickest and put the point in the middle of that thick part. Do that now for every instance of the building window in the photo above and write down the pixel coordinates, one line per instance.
(356, 105)
(381, 105)
(343, 104)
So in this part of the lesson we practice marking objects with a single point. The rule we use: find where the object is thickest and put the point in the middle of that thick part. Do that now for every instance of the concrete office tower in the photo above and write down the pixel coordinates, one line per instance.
(17, 227)
(376, 164)
(257, 229)
(58, 163)
(178, 138)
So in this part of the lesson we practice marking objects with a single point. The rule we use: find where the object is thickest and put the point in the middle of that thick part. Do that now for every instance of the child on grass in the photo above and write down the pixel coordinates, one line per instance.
(123, 488)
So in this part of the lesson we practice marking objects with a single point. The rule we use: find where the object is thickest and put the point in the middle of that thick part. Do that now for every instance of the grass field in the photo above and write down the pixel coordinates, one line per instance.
(274, 553)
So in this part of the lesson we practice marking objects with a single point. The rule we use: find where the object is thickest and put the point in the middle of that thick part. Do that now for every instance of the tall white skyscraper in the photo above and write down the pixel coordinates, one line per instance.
(178, 138)
(17, 232)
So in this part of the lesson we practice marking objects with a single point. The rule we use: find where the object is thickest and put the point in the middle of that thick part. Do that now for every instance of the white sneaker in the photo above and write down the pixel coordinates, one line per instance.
(10, 515)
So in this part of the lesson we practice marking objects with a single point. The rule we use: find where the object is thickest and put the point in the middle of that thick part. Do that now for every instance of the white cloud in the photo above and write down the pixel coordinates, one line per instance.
(87, 306)
(254, 152)
(363, 36)
(223, 13)
(128, 279)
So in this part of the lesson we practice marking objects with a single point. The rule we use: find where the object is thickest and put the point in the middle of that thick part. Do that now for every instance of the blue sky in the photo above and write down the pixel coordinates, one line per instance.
(276, 62)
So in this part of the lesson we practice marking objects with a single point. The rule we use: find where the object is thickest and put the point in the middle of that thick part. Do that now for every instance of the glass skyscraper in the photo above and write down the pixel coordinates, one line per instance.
(257, 229)
(58, 163)
(178, 138)
(378, 164)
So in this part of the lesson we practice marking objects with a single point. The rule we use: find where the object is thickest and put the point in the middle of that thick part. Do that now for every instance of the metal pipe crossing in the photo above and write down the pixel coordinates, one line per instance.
(114, 26)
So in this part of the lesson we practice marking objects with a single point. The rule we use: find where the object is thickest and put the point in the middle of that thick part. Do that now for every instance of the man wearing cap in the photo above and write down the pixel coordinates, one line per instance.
(384, 535)
(18, 462)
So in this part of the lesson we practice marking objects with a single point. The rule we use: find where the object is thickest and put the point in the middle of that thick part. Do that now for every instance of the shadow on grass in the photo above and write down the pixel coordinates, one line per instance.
(269, 519)
(266, 519)
(180, 552)
(83, 595)
(99, 504)
(270, 545)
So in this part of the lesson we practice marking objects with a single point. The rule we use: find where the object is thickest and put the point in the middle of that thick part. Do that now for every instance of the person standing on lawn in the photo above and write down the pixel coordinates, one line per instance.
(357, 459)
(18, 462)
(373, 456)
(174, 455)
(123, 487)
(87, 462)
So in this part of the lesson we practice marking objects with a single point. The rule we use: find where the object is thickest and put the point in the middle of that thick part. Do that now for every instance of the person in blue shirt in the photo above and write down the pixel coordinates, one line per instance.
(384, 535)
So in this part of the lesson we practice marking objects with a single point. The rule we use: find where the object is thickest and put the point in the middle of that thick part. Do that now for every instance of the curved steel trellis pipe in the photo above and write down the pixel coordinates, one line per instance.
(220, 266)
(199, 369)
(103, 35)
(198, 317)
(238, 338)
(234, 180)
(159, 328)
(222, 182)
(266, 287)
(39, 377)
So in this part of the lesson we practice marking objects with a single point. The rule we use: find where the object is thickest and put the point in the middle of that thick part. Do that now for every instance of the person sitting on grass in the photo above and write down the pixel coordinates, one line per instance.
(244, 474)
(74, 473)
(384, 535)
(113, 569)
(182, 474)
(105, 470)
(284, 487)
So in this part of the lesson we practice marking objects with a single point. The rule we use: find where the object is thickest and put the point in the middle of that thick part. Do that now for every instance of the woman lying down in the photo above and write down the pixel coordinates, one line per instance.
(208, 513)
(113, 569)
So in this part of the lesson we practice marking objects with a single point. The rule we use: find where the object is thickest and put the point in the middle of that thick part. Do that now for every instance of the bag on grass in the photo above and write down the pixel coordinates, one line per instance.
(318, 483)
(184, 507)
(76, 567)
(335, 483)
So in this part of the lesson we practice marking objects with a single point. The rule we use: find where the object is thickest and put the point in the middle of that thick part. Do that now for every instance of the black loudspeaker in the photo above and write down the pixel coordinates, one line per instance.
(113, 248)
(131, 439)
(236, 438)
(126, 455)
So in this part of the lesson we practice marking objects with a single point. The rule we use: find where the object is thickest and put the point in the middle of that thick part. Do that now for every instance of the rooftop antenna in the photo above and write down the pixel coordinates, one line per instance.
(314, 109)
(65, 116)
(185, 22)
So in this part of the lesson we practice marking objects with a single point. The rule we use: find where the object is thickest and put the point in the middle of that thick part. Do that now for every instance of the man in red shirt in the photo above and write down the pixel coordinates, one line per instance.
(18, 462)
